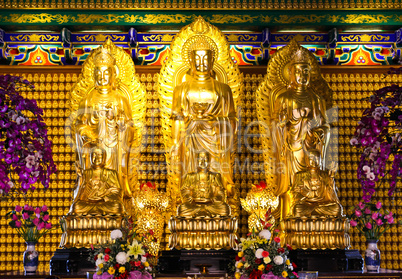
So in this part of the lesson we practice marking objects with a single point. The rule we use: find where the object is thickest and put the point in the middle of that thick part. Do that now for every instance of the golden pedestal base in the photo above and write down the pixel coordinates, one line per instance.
(83, 230)
(317, 232)
(203, 233)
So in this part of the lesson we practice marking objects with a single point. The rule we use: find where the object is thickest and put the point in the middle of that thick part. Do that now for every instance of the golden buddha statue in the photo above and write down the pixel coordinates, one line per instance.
(99, 191)
(107, 112)
(313, 191)
(203, 193)
(203, 114)
(198, 87)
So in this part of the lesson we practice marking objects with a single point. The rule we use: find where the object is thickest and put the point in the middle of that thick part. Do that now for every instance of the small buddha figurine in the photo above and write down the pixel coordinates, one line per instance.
(203, 193)
(98, 190)
(313, 191)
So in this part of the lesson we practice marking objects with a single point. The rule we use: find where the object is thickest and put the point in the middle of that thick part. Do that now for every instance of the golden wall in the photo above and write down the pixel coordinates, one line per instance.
(350, 86)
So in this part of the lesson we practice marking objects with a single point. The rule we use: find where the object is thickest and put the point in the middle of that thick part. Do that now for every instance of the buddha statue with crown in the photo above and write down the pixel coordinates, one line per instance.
(105, 103)
(292, 102)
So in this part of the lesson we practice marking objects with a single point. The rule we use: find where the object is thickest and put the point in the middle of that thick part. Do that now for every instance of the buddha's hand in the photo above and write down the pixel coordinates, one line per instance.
(88, 135)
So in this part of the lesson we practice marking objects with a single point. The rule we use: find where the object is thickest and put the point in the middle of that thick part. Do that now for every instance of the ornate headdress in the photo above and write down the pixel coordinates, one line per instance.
(300, 57)
(198, 42)
(104, 58)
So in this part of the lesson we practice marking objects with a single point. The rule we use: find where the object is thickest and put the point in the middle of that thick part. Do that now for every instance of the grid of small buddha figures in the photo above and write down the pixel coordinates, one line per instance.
(53, 96)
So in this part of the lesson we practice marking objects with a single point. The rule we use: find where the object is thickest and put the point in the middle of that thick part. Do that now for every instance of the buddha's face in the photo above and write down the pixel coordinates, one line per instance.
(203, 160)
(314, 160)
(201, 61)
(103, 76)
(301, 74)
(98, 157)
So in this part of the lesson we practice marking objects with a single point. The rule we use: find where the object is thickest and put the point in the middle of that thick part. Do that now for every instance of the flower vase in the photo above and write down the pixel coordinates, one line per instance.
(372, 256)
(30, 258)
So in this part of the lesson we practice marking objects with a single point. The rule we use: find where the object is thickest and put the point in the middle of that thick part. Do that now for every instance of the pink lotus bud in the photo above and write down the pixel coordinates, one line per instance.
(26, 207)
(374, 216)
(36, 221)
(18, 224)
(361, 205)
(46, 218)
(367, 211)
(379, 222)
(18, 208)
(37, 210)
(390, 220)
(369, 226)
(48, 226)
(353, 223)
(378, 205)
(15, 217)
(44, 208)
(40, 226)
(25, 216)
(358, 213)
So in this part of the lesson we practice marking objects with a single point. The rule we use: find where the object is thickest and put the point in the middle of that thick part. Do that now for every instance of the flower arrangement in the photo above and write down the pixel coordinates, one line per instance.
(125, 257)
(378, 134)
(25, 149)
(369, 218)
(31, 224)
(261, 255)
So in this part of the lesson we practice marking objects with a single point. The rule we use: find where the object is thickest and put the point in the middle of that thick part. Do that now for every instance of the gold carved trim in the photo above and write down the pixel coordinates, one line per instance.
(35, 38)
(99, 38)
(365, 38)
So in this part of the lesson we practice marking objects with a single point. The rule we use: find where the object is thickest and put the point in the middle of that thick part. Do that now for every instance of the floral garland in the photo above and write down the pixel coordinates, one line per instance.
(378, 134)
(25, 149)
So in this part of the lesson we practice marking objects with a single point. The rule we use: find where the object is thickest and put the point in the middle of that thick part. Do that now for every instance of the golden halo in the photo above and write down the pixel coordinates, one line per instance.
(196, 40)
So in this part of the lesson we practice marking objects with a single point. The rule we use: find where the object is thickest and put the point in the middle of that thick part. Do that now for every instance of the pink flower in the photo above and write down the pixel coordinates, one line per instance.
(358, 213)
(15, 217)
(378, 205)
(368, 225)
(37, 211)
(26, 207)
(48, 226)
(25, 216)
(18, 224)
(390, 220)
(366, 169)
(46, 218)
(36, 221)
(18, 208)
(361, 205)
(40, 226)
(44, 208)
(367, 211)
(379, 222)
(389, 215)
(353, 223)
(374, 216)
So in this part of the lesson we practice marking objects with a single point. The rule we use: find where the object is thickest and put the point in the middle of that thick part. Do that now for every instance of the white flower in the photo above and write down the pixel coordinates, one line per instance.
(20, 120)
(265, 234)
(246, 265)
(100, 256)
(366, 169)
(278, 260)
(258, 253)
(99, 261)
(290, 267)
(135, 249)
(143, 259)
(370, 176)
(116, 234)
(267, 260)
(354, 141)
(121, 258)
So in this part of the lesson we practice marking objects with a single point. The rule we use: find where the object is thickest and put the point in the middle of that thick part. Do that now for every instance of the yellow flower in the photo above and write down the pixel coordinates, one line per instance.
(288, 262)
(146, 264)
(284, 274)
(123, 246)
(122, 269)
(240, 265)
(99, 272)
(261, 267)
(267, 260)
(237, 275)
(240, 254)
(111, 270)
(100, 265)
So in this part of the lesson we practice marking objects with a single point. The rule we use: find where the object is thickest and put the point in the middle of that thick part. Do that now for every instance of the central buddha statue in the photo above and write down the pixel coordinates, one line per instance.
(203, 193)
(203, 114)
